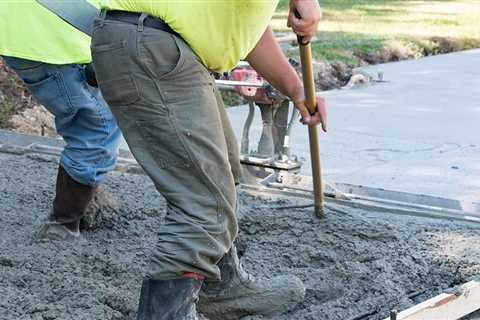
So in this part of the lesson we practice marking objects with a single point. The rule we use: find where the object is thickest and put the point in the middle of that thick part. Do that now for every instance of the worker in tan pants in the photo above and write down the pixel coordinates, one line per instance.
(156, 77)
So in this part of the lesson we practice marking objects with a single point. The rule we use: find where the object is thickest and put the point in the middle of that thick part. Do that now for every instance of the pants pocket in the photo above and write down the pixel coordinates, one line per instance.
(110, 61)
(116, 83)
(160, 53)
(165, 143)
(45, 83)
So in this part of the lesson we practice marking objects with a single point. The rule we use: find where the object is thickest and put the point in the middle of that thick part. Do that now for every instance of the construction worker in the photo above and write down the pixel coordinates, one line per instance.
(51, 56)
(154, 61)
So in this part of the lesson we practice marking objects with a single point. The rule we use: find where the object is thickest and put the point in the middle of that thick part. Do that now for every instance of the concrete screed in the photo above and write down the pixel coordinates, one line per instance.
(355, 264)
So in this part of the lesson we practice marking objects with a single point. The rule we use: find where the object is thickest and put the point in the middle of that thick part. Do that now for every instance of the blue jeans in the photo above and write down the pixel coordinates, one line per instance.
(82, 117)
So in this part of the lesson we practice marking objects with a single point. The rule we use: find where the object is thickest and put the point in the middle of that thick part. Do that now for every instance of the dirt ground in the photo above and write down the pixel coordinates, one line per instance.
(355, 264)
(19, 110)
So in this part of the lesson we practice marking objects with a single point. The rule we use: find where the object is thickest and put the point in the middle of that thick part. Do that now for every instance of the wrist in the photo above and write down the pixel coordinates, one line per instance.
(297, 93)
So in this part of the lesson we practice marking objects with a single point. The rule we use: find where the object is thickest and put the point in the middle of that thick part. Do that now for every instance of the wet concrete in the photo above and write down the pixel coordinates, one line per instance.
(355, 264)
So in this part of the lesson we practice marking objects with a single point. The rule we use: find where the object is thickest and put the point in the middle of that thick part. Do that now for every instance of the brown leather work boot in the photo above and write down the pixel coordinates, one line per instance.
(71, 201)
(239, 294)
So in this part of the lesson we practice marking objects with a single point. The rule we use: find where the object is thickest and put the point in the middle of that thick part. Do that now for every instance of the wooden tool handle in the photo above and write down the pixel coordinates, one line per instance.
(308, 79)
(307, 71)
(311, 101)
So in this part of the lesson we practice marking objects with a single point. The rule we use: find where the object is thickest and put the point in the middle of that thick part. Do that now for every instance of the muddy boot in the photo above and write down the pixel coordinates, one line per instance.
(238, 294)
(101, 210)
(169, 299)
(71, 201)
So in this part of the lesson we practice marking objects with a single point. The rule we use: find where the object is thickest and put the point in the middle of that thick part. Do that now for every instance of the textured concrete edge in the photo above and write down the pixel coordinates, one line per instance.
(124, 164)
(282, 183)
(363, 205)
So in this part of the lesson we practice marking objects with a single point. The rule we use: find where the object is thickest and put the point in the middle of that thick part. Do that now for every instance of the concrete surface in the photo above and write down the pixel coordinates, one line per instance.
(416, 133)
(355, 264)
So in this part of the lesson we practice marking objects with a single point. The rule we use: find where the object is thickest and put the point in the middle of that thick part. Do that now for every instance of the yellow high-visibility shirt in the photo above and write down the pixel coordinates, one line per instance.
(30, 31)
(220, 32)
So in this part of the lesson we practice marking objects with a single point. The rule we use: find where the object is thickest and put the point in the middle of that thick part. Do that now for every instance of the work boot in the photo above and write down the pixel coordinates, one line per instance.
(238, 294)
(71, 201)
(101, 210)
(169, 299)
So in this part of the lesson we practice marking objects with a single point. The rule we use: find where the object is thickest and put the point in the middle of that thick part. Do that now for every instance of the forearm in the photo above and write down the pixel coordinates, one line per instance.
(268, 59)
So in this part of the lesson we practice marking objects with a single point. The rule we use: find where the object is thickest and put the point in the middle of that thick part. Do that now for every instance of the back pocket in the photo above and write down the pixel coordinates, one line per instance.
(45, 83)
(110, 61)
(50, 92)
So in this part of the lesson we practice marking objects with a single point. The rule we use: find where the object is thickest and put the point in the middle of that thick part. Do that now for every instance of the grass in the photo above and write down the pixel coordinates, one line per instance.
(344, 47)
(354, 29)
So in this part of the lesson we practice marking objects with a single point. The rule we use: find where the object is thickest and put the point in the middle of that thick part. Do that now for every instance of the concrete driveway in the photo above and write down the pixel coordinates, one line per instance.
(418, 132)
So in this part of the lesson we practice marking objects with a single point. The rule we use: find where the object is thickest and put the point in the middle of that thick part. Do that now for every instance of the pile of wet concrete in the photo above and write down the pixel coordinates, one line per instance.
(355, 264)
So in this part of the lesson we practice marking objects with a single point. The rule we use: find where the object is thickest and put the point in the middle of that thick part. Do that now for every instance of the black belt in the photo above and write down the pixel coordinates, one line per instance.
(132, 18)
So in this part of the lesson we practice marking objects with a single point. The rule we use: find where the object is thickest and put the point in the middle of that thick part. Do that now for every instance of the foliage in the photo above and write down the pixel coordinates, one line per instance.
(352, 30)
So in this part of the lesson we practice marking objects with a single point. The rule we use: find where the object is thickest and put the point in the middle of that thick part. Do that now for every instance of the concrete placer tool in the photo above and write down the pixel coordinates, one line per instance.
(250, 85)
(273, 149)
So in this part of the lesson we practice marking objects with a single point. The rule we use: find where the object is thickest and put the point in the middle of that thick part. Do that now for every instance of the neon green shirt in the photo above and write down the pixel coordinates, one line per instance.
(30, 31)
(220, 32)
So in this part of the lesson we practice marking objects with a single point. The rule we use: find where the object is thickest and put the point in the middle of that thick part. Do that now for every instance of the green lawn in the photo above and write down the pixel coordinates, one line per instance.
(353, 29)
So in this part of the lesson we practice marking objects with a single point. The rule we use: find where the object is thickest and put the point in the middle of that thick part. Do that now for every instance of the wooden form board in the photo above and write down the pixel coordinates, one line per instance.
(446, 306)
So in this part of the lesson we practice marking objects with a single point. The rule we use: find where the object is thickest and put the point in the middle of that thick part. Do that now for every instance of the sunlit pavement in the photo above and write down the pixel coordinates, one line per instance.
(418, 132)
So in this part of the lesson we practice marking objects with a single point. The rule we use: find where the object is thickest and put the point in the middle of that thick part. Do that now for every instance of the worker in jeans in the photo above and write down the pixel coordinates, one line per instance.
(51, 58)
(154, 63)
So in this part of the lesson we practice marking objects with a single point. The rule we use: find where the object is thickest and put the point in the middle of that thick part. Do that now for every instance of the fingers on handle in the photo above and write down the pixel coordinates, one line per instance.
(322, 112)
(304, 113)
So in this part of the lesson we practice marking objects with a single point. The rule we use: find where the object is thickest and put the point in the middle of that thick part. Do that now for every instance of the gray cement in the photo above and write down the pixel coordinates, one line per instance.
(416, 133)
(355, 264)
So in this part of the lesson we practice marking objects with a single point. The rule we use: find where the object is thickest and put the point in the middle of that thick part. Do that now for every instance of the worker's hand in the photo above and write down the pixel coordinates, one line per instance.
(305, 23)
(320, 116)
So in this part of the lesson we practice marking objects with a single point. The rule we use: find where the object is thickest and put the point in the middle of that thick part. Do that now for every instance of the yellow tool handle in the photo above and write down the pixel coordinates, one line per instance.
(311, 101)
(307, 74)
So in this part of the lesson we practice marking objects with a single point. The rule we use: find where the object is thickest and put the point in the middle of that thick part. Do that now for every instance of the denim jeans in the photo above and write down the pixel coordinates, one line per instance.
(82, 117)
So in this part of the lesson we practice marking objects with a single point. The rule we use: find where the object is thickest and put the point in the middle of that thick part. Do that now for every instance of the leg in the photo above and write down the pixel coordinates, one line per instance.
(230, 139)
(244, 149)
(280, 123)
(86, 124)
(266, 144)
(239, 294)
(165, 103)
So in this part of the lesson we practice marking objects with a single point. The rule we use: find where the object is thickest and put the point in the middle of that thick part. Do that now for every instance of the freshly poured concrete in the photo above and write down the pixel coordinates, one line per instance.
(411, 134)
(419, 132)
(355, 264)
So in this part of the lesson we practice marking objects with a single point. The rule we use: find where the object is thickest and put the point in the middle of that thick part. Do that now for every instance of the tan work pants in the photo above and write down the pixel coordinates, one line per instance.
(174, 122)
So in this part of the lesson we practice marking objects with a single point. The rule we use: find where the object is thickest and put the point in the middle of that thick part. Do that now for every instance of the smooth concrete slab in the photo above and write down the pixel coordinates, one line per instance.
(419, 132)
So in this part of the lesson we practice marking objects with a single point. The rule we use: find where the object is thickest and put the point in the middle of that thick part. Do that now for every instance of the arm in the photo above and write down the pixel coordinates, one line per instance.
(268, 59)
(306, 26)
